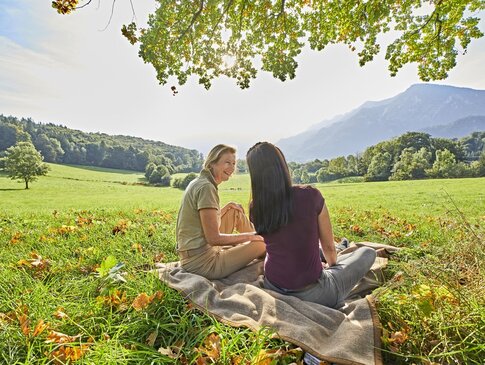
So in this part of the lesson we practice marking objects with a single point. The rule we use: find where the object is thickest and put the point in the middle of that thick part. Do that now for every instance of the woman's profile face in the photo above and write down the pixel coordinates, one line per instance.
(224, 167)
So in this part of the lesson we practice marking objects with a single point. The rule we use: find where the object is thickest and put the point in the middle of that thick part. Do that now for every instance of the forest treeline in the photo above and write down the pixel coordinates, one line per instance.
(59, 144)
(413, 155)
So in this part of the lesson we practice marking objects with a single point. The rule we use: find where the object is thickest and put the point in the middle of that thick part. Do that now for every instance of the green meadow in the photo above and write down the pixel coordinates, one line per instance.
(64, 300)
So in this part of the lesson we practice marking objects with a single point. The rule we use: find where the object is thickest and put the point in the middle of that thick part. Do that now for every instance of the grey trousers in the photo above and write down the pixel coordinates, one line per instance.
(336, 282)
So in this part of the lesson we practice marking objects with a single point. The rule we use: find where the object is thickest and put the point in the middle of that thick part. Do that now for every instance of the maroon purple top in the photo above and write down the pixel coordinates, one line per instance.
(292, 252)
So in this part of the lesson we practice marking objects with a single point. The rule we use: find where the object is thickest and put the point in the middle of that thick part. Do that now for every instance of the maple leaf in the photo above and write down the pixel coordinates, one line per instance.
(211, 347)
(36, 262)
(272, 356)
(7, 317)
(239, 360)
(158, 257)
(63, 230)
(151, 230)
(116, 299)
(357, 230)
(24, 323)
(60, 314)
(143, 300)
(121, 227)
(61, 338)
(396, 338)
(17, 236)
(81, 221)
(137, 247)
(66, 354)
(168, 352)
(39, 328)
(152, 337)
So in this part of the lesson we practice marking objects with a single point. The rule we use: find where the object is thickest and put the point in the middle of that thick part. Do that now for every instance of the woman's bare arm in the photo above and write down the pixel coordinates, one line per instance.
(208, 218)
(326, 237)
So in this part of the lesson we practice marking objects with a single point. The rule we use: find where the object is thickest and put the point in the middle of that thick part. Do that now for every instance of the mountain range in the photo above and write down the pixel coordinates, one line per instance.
(440, 110)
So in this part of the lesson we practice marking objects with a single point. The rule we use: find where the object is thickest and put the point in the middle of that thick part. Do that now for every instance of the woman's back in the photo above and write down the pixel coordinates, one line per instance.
(293, 259)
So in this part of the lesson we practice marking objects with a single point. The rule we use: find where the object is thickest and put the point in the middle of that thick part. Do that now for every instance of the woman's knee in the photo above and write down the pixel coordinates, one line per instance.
(368, 254)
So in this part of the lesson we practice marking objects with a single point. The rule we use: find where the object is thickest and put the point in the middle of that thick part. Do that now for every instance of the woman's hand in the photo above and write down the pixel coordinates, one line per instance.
(257, 237)
(210, 226)
(232, 205)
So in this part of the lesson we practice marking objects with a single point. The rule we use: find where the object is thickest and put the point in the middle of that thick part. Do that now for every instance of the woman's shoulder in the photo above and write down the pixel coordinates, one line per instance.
(310, 195)
(308, 189)
(200, 185)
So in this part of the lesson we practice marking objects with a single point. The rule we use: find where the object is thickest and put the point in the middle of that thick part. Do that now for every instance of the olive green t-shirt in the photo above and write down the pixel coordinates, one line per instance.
(201, 193)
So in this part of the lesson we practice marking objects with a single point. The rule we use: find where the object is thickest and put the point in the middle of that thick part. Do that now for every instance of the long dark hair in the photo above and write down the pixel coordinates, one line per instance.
(270, 208)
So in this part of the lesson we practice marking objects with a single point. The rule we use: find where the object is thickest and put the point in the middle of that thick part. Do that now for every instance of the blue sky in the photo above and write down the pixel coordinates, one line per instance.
(65, 70)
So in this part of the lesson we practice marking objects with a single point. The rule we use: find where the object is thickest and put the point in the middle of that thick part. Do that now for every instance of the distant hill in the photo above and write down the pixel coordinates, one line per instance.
(420, 106)
(459, 128)
(59, 144)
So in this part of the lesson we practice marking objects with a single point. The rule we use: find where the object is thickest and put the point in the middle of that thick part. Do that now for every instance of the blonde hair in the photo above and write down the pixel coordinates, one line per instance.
(216, 153)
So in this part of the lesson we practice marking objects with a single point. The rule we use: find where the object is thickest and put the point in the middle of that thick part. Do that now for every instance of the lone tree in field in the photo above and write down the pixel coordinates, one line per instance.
(211, 38)
(24, 162)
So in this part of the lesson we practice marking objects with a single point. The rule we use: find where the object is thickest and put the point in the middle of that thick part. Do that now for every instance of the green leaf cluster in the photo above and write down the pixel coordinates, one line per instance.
(233, 38)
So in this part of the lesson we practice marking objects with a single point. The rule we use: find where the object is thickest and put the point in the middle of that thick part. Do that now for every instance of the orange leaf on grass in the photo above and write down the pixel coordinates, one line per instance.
(264, 357)
(59, 313)
(36, 262)
(137, 247)
(239, 360)
(143, 300)
(158, 257)
(81, 221)
(168, 352)
(66, 354)
(272, 356)
(61, 338)
(7, 317)
(211, 347)
(152, 337)
(174, 352)
(40, 327)
(121, 227)
(151, 230)
(16, 238)
(24, 323)
(396, 339)
(357, 230)
(63, 230)
(116, 299)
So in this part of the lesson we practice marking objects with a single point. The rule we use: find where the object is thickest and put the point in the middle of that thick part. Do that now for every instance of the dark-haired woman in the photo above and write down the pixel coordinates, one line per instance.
(293, 221)
(203, 227)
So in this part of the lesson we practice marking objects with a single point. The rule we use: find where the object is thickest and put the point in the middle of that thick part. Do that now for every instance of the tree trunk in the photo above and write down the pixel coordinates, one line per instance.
(26, 183)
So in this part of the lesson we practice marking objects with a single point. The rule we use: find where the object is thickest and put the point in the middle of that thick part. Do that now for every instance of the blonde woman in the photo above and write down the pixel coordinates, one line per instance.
(203, 228)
